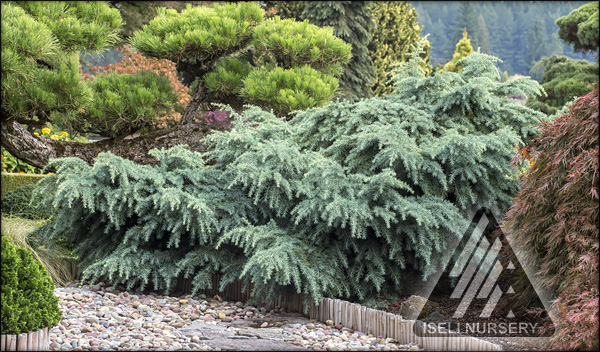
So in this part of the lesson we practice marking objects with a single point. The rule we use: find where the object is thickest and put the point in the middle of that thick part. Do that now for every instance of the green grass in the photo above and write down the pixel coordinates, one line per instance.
(18, 229)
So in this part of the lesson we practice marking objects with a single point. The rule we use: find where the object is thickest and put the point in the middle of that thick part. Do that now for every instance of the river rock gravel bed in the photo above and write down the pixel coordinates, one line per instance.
(103, 318)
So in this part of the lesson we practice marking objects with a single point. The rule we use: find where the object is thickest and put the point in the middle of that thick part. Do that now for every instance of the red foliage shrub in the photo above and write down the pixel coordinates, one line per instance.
(554, 220)
(135, 62)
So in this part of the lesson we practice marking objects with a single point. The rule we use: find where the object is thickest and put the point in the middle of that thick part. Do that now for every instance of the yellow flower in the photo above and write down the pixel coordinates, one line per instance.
(53, 136)
(2, 157)
(51, 173)
(4, 166)
(21, 172)
(37, 134)
(45, 130)
(64, 134)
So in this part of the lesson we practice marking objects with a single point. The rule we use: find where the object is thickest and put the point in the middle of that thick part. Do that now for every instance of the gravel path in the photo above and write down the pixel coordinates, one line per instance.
(102, 318)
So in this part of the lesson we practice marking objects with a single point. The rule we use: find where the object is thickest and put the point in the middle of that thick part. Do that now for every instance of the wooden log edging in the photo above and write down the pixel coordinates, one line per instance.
(27, 341)
(385, 324)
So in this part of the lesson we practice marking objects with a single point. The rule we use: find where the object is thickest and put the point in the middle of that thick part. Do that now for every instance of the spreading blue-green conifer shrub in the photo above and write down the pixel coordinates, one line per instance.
(339, 201)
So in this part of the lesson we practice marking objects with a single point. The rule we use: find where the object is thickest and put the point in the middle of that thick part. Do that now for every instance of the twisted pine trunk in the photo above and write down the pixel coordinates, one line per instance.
(38, 151)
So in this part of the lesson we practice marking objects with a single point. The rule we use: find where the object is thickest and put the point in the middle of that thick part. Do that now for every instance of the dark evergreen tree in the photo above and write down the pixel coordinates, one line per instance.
(484, 36)
(285, 9)
(467, 18)
(353, 23)
(536, 42)
(520, 31)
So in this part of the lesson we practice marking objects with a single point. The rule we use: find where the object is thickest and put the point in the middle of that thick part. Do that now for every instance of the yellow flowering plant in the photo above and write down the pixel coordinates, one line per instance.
(14, 165)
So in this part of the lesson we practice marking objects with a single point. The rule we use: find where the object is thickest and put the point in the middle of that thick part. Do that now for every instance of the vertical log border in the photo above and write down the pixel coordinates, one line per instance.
(384, 324)
(28, 341)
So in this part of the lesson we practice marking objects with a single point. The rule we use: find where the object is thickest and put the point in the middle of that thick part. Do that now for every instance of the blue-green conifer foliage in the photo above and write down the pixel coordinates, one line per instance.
(337, 202)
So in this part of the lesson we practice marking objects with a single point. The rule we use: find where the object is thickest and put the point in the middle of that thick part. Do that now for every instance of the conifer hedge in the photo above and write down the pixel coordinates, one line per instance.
(337, 202)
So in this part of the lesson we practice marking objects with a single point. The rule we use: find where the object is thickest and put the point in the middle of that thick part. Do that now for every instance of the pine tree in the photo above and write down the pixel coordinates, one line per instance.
(397, 30)
(233, 53)
(339, 201)
(352, 22)
(466, 19)
(484, 36)
(463, 49)
(536, 42)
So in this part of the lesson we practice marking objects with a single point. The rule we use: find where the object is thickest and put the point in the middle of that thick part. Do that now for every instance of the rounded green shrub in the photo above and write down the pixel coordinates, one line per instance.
(28, 301)
(20, 202)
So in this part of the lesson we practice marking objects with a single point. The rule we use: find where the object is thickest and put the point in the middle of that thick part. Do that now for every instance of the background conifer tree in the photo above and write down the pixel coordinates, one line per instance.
(484, 36)
(463, 49)
(397, 29)
(352, 22)
(536, 43)
(556, 47)
(466, 19)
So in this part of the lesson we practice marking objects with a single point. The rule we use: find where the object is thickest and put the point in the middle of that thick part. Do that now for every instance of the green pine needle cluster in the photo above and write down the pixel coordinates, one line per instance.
(142, 95)
(198, 33)
(292, 89)
(339, 202)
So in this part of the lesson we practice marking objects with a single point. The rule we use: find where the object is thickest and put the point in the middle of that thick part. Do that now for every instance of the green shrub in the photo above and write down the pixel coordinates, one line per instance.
(20, 202)
(13, 181)
(340, 201)
(563, 79)
(28, 301)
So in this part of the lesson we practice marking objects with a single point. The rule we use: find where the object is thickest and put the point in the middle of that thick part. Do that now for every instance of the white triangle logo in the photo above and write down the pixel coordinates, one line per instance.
(510, 266)
(510, 290)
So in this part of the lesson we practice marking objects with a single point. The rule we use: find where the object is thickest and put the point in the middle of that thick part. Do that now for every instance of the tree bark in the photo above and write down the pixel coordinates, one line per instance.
(193, 105)
(37, 150)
